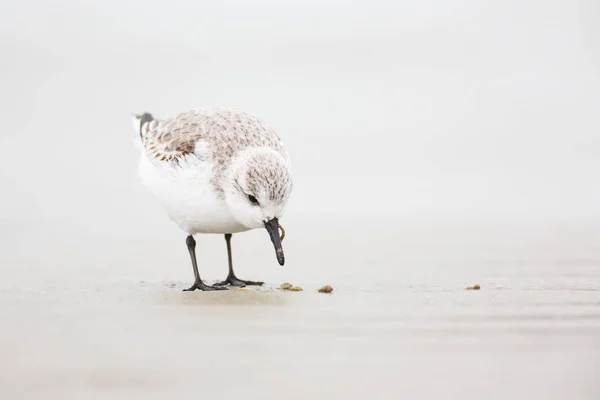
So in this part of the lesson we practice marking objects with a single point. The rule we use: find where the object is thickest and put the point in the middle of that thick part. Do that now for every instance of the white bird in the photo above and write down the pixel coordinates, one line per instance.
(216, 171)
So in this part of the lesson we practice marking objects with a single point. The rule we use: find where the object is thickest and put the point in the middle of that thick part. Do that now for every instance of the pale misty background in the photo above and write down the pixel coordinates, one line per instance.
(467, 108)
(434, 145)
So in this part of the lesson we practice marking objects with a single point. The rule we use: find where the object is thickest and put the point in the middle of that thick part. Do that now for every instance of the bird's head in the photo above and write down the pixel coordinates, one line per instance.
(257, 189)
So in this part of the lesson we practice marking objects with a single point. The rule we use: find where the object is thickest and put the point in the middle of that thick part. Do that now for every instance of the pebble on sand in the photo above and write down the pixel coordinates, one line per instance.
(289, 287)
(325, 289)
(474, 287)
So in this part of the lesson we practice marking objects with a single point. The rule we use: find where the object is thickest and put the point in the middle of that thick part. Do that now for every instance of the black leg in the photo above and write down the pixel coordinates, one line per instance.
(231, 278)
(198, 284)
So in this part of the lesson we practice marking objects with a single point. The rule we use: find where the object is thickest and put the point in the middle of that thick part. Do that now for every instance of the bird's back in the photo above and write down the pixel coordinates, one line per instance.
(222, 132)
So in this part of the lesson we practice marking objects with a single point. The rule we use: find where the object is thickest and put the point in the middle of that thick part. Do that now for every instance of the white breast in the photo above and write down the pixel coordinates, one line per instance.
(186, 194)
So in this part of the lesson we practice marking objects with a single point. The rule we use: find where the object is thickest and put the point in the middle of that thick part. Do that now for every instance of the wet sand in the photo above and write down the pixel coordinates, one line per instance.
(108, 319)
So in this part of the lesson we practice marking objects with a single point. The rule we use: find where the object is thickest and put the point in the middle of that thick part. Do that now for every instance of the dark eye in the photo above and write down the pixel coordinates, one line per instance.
(252, 199)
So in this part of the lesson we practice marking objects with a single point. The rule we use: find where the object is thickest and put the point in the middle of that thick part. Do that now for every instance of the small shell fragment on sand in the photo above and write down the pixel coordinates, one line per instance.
(325, 289)
(474, 287)
(289, 287)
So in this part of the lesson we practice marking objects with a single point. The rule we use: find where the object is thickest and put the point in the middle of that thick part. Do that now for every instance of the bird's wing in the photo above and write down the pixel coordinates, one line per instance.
(172, 139)
(225, 132)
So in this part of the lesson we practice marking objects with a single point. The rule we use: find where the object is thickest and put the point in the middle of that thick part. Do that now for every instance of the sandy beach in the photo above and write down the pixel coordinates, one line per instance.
(399, 322)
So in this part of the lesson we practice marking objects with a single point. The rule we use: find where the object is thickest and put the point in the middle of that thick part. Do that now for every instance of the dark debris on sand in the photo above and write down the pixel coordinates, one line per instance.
(288, 287)
(325, 289)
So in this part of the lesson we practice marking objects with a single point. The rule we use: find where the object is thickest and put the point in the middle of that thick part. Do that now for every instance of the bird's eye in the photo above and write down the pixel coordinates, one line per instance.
(252, 199)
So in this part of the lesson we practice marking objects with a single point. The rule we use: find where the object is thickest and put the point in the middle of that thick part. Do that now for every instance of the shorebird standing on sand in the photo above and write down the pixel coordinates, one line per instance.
(216, 171)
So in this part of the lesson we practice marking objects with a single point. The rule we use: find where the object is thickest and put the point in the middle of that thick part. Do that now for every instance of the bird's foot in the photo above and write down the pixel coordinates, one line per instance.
(199, 285)
(234, 281)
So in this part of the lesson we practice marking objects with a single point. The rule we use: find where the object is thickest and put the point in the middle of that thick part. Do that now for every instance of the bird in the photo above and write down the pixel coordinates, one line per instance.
(216, 171)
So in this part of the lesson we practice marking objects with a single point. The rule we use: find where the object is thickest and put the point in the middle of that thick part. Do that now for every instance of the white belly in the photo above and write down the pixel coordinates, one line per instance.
(187, 196)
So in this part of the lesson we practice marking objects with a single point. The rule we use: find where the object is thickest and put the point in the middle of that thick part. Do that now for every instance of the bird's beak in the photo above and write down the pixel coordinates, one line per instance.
(273, 229)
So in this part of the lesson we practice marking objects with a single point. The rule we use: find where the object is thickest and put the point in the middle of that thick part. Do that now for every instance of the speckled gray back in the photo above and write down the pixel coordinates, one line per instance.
(225, 131)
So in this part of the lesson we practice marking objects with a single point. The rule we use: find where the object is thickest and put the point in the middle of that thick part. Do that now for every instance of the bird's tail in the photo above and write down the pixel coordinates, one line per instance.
(141, 123)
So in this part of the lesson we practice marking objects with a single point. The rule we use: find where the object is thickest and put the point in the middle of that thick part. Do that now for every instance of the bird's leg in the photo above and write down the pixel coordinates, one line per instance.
(231, 278)
(198, 284)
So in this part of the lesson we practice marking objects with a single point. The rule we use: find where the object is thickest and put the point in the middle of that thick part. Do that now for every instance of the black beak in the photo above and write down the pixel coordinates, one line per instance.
(273, 229)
